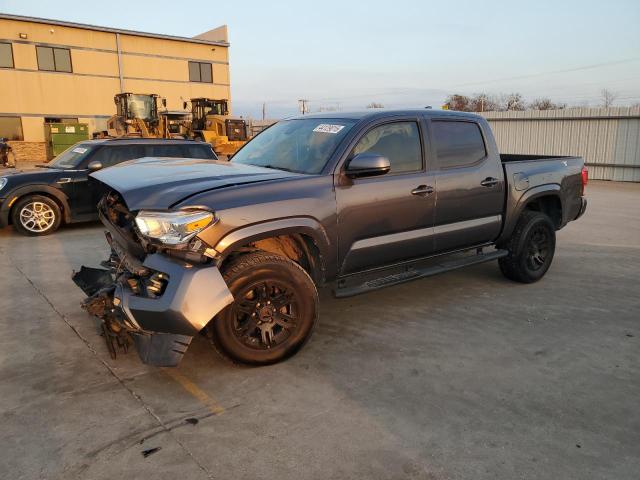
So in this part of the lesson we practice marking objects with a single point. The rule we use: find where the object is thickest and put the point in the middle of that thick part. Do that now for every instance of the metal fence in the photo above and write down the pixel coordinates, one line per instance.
(607, 138)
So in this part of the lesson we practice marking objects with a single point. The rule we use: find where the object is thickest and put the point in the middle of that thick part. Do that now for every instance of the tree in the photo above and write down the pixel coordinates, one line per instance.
(482, 102)
(545, 103)
(375, 105)
(514, 101)
(457, 102)
(608, 97)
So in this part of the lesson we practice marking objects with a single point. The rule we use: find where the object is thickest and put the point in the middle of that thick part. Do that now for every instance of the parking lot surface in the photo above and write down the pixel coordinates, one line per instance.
(462, 375)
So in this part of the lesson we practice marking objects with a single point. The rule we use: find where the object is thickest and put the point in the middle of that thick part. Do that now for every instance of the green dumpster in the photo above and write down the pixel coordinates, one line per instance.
(61, 136)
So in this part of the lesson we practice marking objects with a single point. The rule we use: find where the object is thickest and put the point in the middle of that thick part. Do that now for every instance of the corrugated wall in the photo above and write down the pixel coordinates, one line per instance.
(607, 138)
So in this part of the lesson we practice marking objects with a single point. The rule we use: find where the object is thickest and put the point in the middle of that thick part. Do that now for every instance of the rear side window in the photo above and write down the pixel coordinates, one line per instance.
(399, 142)
(181, 151)
(165, 151)
(199, 151)
(458, 144)
(110, 156)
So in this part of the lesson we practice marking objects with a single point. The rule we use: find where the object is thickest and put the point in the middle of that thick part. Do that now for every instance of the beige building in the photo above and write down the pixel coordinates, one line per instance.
(55, 71)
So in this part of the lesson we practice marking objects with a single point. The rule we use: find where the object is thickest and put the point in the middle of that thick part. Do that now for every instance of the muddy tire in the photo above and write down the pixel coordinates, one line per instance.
(36, 215)
(274, 313)
(531, 248)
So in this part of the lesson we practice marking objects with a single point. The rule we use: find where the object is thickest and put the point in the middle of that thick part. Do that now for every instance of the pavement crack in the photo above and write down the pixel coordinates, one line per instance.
(121, 381)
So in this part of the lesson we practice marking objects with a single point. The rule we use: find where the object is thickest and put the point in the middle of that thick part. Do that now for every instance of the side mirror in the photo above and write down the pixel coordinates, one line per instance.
(94, 166)
(184, 105)
(164, 102)
(368, 165)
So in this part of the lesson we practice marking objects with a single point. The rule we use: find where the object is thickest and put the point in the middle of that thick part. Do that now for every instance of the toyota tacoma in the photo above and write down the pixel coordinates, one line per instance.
(237, 250)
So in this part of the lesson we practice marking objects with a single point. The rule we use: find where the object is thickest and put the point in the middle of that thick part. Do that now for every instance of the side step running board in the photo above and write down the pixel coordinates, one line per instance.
(415, 272)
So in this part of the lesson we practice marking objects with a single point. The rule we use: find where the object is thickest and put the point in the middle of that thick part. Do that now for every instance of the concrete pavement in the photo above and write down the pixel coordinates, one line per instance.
(463, 375)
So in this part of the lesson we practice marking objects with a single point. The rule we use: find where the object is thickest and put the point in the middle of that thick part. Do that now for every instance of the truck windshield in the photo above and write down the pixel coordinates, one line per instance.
(72, 156)
(300, 145)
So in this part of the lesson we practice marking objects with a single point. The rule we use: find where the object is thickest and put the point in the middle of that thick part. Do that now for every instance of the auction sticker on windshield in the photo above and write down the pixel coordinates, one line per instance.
(327, 128)
(79, 150)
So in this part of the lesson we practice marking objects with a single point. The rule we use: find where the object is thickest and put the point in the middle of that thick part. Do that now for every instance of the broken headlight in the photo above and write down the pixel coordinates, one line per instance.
(173, 228)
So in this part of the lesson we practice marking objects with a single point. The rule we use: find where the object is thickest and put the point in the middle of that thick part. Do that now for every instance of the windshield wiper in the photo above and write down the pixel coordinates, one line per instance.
(278, 168)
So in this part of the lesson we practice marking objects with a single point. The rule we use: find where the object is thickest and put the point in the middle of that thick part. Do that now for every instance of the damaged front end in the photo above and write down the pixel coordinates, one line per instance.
(158, 295)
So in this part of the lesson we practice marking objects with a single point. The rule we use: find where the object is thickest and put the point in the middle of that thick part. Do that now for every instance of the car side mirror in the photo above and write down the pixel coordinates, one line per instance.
(184, 105)
(368, 165)
(94, 166)
(164, 102)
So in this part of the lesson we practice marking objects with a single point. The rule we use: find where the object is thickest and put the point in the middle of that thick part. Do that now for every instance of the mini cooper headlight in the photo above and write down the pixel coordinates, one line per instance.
(3, 182)
(173, 228)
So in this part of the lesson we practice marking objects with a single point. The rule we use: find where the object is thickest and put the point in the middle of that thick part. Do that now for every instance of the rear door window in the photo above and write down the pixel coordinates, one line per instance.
(458, 144)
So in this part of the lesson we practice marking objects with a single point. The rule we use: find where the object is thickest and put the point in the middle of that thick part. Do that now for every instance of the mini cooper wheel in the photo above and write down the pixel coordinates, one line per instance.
(36, 215)
(274, 312)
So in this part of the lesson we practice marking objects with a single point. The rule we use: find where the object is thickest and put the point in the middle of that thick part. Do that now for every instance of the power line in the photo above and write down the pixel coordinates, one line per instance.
(553, 72)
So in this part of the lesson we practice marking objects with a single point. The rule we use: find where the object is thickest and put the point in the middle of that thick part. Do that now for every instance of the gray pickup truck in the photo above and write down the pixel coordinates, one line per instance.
(236, 250)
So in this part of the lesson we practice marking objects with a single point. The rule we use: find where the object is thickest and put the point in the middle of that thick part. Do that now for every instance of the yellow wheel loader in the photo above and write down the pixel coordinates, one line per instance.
(210, 122)
(137, 115)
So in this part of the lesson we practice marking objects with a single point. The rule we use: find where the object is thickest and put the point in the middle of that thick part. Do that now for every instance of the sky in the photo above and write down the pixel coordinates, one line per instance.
(401, 53)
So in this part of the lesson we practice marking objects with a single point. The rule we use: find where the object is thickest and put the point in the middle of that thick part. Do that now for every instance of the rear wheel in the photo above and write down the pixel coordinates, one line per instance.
(36, 215)
(531, 248)
(274, 312)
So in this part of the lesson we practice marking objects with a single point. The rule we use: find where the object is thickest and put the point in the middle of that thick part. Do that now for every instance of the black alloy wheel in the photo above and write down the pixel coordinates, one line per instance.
(531, 248)
(274, 312)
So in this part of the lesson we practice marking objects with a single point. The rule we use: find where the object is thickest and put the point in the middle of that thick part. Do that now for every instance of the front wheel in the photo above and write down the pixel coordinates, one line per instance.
(274, 312)
(36, 215)
(531, 248)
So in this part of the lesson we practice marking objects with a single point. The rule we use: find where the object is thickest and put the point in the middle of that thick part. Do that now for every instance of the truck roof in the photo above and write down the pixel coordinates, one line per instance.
(381, 113)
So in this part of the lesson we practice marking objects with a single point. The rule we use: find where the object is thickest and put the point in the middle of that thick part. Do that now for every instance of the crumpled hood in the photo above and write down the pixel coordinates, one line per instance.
(160, 183)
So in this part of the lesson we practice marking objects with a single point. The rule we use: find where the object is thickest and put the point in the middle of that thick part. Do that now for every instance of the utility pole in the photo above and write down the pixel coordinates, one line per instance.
(264, 110)
(303, 104)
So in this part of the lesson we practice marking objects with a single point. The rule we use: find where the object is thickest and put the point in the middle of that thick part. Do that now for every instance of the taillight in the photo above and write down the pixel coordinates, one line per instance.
(585, 178)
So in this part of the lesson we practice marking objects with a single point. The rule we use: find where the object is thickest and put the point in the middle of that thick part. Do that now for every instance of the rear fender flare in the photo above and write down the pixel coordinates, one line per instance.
(513, 213)
(35, 189)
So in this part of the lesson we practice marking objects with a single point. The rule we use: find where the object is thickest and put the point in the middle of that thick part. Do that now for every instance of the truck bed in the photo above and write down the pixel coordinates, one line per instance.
(527, 174)
(514, 157)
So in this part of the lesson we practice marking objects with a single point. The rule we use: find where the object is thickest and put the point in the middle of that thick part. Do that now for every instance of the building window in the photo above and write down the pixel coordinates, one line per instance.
(200, 72)
(11, 128)
(53, 59)
(6, 55)
(60, 120)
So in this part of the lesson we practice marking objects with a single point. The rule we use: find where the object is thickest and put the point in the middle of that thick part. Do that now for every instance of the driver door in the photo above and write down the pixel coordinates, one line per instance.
(388, 218)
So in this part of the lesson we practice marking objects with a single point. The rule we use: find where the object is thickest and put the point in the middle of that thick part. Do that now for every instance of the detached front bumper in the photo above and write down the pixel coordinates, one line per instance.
(192, 297)
(162, 326)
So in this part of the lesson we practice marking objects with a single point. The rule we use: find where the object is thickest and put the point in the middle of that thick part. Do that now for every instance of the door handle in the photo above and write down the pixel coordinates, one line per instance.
(489, 182)
(422, 190)
(63, 180)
